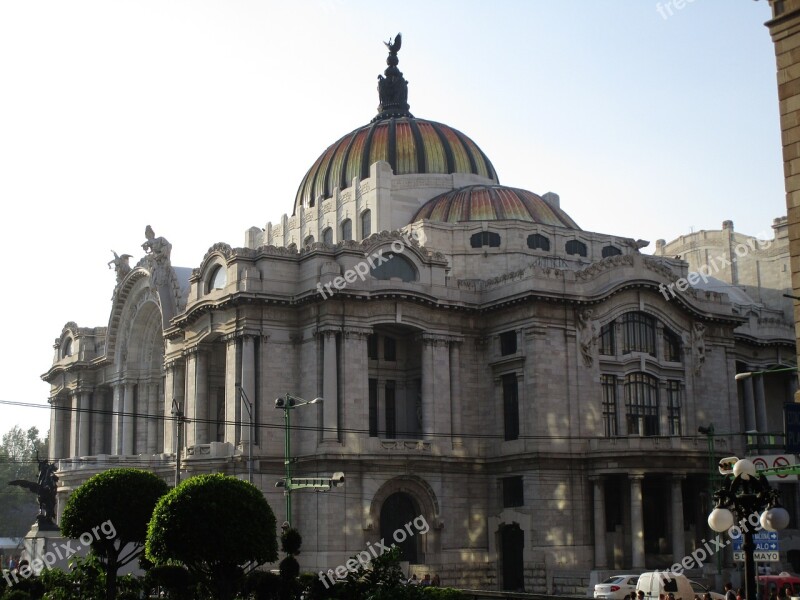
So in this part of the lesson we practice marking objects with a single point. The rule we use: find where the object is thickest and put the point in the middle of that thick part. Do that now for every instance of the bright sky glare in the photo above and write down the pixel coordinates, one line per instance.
(201, 118)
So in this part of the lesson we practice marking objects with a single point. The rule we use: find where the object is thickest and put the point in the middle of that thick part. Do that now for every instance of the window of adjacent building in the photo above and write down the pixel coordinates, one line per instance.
(347, 230)
(609, 386)
(640, 333)
(513, 491)
(508, 343)
(372, 346)
(641, 404)
(510, 407)
(575, 248)
(308, 241)
(536, 241)
(391, 417)
(394, 266)
(217, 279)
(366, 224)
(672, 346)
(607, 342)
(611, 251)
(327, 235)
(485, 238)
(674, 407)
(389, 348)
(66, 349)
(373, 408)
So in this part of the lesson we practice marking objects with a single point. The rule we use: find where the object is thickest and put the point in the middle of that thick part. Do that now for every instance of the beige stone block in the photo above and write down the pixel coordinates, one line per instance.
(792, 71)
(791, 151)
(789, 89)
(790, 136)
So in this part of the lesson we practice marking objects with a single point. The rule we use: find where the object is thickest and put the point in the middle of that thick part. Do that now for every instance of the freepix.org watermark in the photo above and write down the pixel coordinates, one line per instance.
(362, 269)
(710, 548)
(713, 267)
(418, 526)
(668, 8)
(61, 552)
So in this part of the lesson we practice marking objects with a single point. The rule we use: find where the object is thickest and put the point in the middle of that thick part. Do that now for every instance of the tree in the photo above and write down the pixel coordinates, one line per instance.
(113, 508)
(215, 525)
(18, 461)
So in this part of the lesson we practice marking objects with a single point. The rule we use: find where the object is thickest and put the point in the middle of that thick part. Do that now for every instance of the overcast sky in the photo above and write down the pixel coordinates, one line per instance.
(200, 118)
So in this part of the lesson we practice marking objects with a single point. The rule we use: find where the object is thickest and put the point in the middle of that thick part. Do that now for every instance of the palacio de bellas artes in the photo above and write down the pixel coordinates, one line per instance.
(528, 388)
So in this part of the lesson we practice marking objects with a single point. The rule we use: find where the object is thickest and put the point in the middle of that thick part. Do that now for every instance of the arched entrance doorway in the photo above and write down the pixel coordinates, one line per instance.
(512, 543)
(398, 510)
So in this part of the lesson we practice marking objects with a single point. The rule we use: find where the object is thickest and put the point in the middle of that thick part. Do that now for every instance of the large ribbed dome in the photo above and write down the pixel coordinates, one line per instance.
(493, 203)
(408, 144)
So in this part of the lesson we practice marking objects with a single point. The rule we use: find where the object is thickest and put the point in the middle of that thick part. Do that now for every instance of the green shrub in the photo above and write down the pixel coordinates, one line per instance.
(439, 593)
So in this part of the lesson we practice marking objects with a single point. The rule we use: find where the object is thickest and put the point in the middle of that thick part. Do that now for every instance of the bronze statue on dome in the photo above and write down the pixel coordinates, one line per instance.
(392, 87)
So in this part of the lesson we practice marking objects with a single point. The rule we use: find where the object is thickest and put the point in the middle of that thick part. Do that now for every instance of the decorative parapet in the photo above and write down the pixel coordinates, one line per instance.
(403, 445)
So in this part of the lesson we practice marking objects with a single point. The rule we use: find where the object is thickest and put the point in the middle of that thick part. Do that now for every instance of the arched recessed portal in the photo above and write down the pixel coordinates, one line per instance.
(512, 543)
(398, 510)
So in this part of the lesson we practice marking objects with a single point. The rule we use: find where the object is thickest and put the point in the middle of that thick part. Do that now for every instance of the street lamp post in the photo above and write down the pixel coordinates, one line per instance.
(287, 403)
(177, 413)
(743, 495)
(249, 406)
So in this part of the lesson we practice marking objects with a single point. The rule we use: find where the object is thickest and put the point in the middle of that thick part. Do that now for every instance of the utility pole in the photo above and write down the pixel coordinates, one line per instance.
(177, 413)
(249, 406)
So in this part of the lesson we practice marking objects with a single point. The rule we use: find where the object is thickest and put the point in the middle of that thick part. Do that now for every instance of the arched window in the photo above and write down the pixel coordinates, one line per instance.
(536, 241)
(217, 278)
(607, 341)
(672, 346)
(640, 333)
(611, 251)
(308, 241)
(327, 236)
(66, 349)
(485, 238)
(641, 404)
(576, 248)
(397, 510)
(366, 224)
(347, 230)
(395, 265)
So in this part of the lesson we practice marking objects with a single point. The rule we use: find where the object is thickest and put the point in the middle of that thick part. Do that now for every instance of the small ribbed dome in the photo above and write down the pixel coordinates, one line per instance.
(492, 203)
(408, 144)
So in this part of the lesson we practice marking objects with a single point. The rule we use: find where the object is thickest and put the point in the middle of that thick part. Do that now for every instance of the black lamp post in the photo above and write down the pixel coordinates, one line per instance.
(743, 495)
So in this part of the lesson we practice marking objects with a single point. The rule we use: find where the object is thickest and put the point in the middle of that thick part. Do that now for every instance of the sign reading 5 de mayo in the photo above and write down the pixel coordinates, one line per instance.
(775, 461)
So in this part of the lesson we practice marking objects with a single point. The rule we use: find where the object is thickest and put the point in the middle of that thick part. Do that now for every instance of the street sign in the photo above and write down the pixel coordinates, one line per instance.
(764, 540)
(791, 425)
(759, 556)
(775, 461)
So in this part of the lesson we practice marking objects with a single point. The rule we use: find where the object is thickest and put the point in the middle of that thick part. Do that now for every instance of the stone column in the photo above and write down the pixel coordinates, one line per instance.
(600, 555)
(84, 424)
(179, 391)
(248, 387)
(678, 545)
(201, 425)
(355, 404)
(74, 432)
(56, 432)
(749, 405)
(455, 394)
(190, 410)
(232, 406)
(330, 388)
(761, 404)
(116, 418)
(441, 387)
(427, 388)
(128, 404)
(169, 422)
(152, 417)
(98, 421)
(637, 523)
